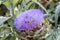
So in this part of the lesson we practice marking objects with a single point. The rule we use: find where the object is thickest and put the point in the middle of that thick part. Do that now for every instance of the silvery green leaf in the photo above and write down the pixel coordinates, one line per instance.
(55, 35)
(3, 19)
(57, 11)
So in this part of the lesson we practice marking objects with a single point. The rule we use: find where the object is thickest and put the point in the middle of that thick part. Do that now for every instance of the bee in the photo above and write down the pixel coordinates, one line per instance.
(4, 10)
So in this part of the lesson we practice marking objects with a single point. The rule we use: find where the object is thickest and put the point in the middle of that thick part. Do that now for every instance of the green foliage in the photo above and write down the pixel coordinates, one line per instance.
(7, 3)
(55, 35)
(57, 11)
(3, 19)
(15, 2)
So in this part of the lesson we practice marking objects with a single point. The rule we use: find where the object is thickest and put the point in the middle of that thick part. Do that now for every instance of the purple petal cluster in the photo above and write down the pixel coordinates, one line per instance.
(29, 19)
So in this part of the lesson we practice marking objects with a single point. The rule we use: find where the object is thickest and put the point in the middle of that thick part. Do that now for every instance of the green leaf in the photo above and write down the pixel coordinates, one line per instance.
(29, 5)
(24, 4)
(57, 11)
(26, 1)
(3, 19)
(15, 1)
(7, 3)
(10, 37)
(55, 35)
(32, 5)
(52, 36)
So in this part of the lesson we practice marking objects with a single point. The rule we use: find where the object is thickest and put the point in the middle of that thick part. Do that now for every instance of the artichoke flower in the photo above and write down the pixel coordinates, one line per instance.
(29, 21)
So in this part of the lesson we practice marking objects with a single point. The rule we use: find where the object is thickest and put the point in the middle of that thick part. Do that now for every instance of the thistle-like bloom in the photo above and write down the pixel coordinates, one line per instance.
(28, 20)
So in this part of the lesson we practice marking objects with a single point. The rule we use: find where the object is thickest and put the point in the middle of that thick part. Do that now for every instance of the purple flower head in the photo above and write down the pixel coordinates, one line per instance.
(29, 19)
